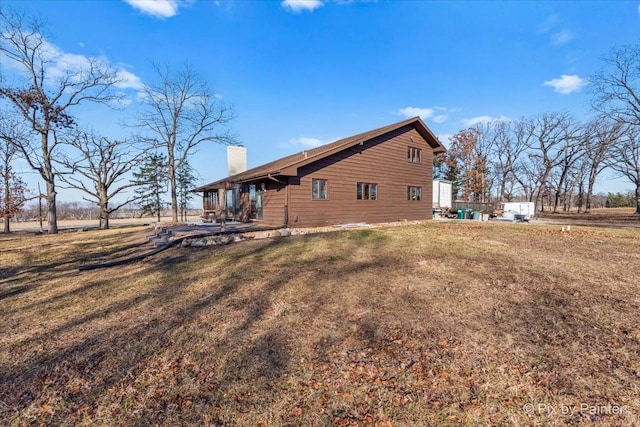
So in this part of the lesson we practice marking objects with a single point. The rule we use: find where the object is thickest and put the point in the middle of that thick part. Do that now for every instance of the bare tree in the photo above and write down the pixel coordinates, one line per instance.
(625, 159)
(616, 87)
(529, 171)
(616, 94)
(571, 152)
(552, 133)
(484, 176)
(581, 175)
(183, 113)
(100, 169)
(13, 190)
(601, 133)
(509, 142)
(43, 95)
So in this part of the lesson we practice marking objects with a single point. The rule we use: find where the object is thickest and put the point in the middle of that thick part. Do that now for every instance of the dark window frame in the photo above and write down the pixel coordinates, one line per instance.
(414, 155)
(414, 193)
(367, 191)
(317, 186)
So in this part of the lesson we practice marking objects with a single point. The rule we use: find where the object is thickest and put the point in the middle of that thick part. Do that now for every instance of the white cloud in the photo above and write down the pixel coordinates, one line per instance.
(562, 37)
(128, 80)
(558, 35)
(440, 118)
(567, 84)
(157, 8)
(73, 68)
(306, 142)
(423, 113)
(483, 119)
(297, 6)
(63, 64)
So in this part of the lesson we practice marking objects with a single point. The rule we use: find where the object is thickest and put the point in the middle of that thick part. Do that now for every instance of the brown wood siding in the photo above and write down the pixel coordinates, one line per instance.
(273, 203)
(382, 161)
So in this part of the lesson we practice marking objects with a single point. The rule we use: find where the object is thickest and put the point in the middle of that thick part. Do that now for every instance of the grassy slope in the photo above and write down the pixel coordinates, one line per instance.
(438, 324)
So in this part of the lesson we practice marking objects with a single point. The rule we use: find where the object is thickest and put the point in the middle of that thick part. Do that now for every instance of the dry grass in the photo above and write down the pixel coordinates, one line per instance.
(620, 217)
(436, 324)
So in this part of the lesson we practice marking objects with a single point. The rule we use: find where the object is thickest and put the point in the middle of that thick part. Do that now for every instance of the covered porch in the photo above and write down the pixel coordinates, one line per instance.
(227, 201)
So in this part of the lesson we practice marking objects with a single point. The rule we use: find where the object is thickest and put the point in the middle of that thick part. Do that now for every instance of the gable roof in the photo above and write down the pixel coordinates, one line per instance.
(288, 166)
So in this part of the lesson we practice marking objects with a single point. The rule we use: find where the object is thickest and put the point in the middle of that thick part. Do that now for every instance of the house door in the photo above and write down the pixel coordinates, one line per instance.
(259, 204)
(255, 195)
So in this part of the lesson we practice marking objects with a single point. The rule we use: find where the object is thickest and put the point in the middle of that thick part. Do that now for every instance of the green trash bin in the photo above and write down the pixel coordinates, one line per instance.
(461, 213)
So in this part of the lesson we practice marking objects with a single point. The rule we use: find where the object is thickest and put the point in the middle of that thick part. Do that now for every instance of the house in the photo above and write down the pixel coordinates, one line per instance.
(382, 175)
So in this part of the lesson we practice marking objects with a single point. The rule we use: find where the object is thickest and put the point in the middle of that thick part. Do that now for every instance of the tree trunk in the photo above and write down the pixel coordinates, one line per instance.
(556, 201)
(580, 197)
(542, 188)
(559, 191)
(103, 204)
(173, 184)
(52, 216)
(104, 220)
(104, 217)
(7, 199)
(592, 179)
(540, 200)
(174, 201)
(638, 197)
(158, 206)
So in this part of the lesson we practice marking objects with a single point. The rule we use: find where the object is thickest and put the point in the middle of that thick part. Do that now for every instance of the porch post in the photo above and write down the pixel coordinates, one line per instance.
(222, 195)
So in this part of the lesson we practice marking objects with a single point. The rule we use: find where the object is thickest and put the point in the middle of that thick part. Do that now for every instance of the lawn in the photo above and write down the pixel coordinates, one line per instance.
(436, 324)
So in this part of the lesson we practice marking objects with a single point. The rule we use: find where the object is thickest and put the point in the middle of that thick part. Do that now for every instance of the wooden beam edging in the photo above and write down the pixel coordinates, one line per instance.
(107, 264)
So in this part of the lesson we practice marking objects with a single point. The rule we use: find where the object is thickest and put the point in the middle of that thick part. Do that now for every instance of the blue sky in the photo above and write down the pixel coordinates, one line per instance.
(301, 73)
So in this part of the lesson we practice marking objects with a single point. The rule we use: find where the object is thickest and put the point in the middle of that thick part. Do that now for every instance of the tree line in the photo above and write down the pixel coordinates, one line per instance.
(178, 113)
(550, 159)
(553, 159)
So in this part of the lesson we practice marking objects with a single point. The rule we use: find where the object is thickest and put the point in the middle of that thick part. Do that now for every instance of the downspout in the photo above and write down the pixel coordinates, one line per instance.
(286, 205)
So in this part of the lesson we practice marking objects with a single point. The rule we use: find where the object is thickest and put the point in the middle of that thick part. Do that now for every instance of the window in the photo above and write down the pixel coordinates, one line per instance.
(319, 189)
(414, 193)
(366, 191)
(414, 154)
